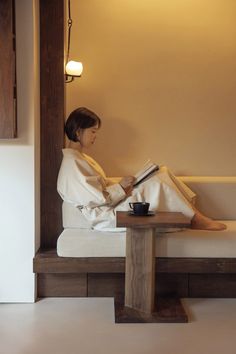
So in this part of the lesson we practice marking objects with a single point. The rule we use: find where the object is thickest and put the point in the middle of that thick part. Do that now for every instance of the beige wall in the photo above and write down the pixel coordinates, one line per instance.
(162, 75)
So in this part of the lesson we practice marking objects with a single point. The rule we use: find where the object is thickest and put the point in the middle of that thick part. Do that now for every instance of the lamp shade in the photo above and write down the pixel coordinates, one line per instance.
(74, 68)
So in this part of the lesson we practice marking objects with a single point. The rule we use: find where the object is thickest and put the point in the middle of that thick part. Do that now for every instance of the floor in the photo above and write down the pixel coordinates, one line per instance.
(86, 326)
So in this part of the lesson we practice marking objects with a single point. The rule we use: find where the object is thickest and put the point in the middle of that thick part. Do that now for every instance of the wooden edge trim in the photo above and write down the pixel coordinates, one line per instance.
(47, 261)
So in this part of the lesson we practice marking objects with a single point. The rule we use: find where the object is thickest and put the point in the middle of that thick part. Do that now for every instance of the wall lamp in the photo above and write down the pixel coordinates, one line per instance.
(73, 68)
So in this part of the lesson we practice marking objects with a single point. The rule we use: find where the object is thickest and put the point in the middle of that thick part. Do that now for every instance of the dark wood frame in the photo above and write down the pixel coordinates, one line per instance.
(58, 276)
(8, 70)
(52, 98)
(104, 276)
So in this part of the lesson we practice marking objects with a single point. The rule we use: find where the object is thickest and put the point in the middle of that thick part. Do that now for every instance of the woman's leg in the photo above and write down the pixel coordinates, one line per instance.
(163, 194)
(198, 220)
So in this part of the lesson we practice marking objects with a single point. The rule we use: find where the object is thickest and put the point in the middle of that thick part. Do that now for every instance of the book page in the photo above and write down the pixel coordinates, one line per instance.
(147, 169)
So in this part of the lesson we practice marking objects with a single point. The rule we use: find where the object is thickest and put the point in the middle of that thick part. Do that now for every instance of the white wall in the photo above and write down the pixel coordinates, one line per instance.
(19, 169)
(161, 74)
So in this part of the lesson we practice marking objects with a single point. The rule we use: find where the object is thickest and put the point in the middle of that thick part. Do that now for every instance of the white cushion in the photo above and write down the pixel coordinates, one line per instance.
(90, 243)
(199, 243)
(186, 243)
(73, 218)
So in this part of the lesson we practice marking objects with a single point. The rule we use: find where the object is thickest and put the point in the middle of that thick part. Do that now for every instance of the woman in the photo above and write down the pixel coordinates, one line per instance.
(82, 182)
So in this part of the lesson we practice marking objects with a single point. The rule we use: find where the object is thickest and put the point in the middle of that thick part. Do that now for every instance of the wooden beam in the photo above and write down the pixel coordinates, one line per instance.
(52, 116)
(47, 261)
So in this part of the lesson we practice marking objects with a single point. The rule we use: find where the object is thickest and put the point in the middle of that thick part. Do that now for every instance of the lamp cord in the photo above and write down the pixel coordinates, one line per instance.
(69, 22)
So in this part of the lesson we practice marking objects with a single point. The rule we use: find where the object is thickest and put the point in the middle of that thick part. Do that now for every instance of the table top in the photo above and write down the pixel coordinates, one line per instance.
(159, 219)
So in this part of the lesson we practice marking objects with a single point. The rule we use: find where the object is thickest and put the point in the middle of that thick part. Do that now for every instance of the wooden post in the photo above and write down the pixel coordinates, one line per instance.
(140, 269)
(52, 116)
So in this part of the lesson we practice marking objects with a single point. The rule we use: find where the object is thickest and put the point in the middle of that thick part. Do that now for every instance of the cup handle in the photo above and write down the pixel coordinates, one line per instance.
(131, 206)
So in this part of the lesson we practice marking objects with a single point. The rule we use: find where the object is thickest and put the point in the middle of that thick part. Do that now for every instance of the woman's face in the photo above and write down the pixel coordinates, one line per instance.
(87, 136)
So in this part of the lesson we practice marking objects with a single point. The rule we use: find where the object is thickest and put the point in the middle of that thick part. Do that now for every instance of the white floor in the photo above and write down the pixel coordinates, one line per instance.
(86, 326)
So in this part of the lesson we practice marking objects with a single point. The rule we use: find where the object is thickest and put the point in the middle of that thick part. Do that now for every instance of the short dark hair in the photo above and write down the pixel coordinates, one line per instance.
(80, 118)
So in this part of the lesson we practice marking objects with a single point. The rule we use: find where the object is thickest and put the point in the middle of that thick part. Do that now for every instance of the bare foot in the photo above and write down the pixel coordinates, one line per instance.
(201, 222)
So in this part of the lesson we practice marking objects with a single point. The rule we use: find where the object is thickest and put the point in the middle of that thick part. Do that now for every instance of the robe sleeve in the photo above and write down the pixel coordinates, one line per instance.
(77, 185)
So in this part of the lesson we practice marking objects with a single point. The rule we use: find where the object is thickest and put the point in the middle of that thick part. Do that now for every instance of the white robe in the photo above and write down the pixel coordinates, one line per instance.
(82, 182)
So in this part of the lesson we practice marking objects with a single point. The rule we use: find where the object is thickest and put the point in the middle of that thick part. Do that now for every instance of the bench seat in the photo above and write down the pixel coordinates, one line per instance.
(189, 263)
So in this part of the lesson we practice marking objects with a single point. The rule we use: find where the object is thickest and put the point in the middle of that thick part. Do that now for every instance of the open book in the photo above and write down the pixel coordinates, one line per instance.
(145, 172)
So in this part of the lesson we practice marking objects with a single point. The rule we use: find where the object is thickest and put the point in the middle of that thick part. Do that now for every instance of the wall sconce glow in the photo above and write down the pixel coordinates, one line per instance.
(74, 68)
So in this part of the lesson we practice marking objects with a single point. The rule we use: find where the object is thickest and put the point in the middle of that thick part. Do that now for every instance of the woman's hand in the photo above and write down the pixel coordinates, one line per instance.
(127, 184)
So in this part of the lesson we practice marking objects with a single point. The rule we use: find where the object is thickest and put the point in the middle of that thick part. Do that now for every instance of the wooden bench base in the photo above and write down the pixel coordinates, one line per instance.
(104, 277)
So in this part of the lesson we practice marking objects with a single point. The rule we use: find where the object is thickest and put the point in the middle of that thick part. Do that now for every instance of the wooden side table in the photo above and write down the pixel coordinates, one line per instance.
(140, 304)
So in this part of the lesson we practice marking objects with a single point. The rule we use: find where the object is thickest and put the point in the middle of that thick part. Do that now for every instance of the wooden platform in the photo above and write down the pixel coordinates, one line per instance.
(167, 310)
(104, 277)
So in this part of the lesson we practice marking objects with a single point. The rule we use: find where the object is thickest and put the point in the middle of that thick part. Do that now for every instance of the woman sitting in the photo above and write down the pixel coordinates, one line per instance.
(82, 182)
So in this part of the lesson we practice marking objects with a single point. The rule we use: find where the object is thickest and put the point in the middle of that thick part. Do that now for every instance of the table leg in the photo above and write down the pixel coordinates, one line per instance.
(140, 306)
(140, 269)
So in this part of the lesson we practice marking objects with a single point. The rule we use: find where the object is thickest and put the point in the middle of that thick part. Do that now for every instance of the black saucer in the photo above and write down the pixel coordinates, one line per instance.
(150, 213)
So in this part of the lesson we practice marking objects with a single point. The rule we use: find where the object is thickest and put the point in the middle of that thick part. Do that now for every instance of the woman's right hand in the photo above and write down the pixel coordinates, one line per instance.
(127, 184)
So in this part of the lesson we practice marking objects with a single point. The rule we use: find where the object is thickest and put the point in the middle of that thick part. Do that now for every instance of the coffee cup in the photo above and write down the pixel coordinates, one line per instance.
(140, 208)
